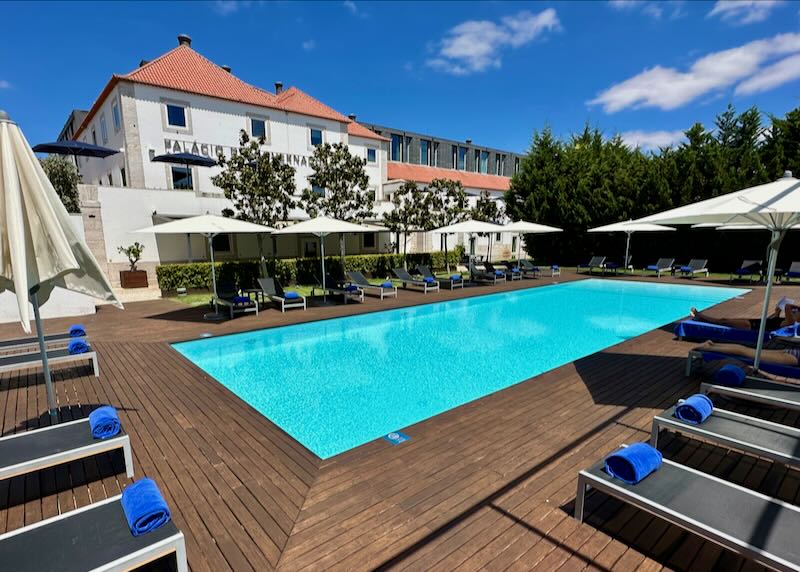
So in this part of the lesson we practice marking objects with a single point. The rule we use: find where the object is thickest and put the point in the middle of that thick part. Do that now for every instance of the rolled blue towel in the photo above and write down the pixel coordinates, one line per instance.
(515, 270)
(653, 267)
(455, 277)
(291, 295)
(144, 506)
(240, 299)
(77, 331)
(694, 409)
(387, 284)
(104, 422)
(429, 279)
(730, 375)
(686, 268)
(499, 273)
(78, 346)
(633, 463)
(554, 267)
(351, 287)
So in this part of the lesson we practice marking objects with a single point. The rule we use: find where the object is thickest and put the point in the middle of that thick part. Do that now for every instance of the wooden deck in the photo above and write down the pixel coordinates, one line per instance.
(486, 486)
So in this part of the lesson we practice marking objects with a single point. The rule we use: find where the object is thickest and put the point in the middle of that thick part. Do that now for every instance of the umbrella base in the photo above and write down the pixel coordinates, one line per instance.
(215, 317)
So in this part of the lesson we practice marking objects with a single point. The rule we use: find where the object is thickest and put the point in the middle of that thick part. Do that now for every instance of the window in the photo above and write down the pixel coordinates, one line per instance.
(115, 117)
(462, 158)
(316, 137)
(258, 128)
(484, 164)
(477, 160)
(516, 164)
(514, 244)
(372, 194)
(94, 137)
(122, 178)
(221, 243)
(424, 152)
(501, 164)
(436, 154)
(497, 170)
(369, 239)
(407, 151)
(317, 190)
(397, 147)
(498, 236)
(176, 115)
(103, 129)
(182, 178)
(372, 155)
(455, 156)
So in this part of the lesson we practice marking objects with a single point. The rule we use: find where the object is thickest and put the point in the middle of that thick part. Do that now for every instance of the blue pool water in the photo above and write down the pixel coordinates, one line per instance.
(336, 384)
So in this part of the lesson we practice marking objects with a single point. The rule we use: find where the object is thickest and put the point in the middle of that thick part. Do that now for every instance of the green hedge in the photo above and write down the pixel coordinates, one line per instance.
(292, 270)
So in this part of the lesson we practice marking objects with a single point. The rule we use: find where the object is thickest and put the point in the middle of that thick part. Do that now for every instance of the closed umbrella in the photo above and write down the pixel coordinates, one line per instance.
(629, 227)
(321, 227)
(39, 248)
(521, 227)
(774, 206)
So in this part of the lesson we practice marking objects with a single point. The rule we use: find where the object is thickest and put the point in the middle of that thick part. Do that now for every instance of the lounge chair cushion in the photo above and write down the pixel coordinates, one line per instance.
(730, 375)
(145, 507)
(104, 422)
(633, 463)
(78, 346)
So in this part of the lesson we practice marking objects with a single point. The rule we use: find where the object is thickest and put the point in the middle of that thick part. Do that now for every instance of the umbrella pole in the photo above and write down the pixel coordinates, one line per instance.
(48, 380)
(627, 250)
(322, 260)
(777, 238)
(213, 270)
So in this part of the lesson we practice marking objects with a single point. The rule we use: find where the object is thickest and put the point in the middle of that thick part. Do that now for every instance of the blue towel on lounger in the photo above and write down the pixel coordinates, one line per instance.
(633, 463)
(429, 279)
(104, 422)
(78, 346)
(240, 300)
(455, 277)
(730, 375)
(291, 295)
(77, 331)
(387, 284)
(686, 268)
(144, 506)
(653, 267)
(554, 267)
(499, 273)
(351, 287)
(694, 409)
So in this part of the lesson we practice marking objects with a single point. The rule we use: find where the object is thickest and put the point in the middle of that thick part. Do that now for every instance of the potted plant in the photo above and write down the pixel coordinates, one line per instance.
(133, 278)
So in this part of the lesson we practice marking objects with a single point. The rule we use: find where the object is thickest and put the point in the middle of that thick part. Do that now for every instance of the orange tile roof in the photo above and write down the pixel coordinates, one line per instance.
(293, 99)
(425, 174)
(358, 130)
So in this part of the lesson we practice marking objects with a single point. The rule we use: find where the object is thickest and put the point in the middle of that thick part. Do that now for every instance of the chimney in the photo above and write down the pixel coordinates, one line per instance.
(469, 141)
(184, 40)
(278, 87)
(226, 68)
(143, 62)
(352, 117)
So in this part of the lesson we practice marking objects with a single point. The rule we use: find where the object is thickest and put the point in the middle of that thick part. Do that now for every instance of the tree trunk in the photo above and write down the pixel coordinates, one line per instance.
(405, 250)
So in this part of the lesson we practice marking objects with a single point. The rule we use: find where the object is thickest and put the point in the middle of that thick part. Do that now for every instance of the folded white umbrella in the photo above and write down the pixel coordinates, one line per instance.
(629, 227)
(39, 247)
(521, 227)
(322, 226)
(774, 206)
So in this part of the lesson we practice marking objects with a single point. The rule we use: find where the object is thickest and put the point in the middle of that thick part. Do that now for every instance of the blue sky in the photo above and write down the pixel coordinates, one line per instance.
(492, 71)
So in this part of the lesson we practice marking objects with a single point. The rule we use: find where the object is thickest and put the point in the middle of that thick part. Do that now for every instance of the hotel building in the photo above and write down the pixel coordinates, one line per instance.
(182, 102)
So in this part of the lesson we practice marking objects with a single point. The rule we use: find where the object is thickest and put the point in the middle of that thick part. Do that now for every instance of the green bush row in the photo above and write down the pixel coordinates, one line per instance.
(244, 273)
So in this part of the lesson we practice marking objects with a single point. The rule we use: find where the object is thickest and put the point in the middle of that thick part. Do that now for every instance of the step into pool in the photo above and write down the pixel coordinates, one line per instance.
(336, 384)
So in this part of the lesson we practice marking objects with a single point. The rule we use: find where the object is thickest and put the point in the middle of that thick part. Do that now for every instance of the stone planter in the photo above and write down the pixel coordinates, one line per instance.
(133, 278)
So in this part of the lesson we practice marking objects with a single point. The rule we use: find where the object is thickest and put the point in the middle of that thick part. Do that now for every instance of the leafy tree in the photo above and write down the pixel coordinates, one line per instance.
(448, 205)
(410, 212)
(487, 209)
(347, 196)
(65, 178)
(260, 185)
(133, 253)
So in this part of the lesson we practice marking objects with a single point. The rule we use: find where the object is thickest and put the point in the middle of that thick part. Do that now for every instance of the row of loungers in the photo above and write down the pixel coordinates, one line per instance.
(70, 347)
(120, 533)
(746, 522)
(662, 266)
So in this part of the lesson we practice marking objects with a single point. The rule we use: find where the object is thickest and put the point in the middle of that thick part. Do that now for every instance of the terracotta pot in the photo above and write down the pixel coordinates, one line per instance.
(133, 279)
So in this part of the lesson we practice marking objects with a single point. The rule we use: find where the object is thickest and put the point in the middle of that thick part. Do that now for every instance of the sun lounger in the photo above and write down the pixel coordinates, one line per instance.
(779, 443)
(271, 288)
(596, 262)
(17, 362)
(746, 522)
(613, 266)
(702, 331)
(513, 270)
(358, 279)
(528, 269)
(490, 269)
(95, 537)
(52, 341)
(793, 272)
(663, 266)
(695, 266)
(481, 276)
(453, 281)
(228, 296)
(31, 451)
(758, 390)
(749, 268)
(780, 370)
(430, 285)
(337, 288)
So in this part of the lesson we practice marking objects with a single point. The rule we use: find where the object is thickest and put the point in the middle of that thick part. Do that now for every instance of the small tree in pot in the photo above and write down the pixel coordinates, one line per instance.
(133, 278)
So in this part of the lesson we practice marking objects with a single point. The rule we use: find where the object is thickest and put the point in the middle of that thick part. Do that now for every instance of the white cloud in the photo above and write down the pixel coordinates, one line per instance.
(786, 70)
(4, 84)
(308, 45)
(669, 88)
(652, 139)
(475, 45)
(652, 8)
(225, 7)
(743, 11)
(350, 5)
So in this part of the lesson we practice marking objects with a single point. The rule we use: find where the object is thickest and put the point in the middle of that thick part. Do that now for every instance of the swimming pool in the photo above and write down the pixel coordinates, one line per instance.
(336, 384)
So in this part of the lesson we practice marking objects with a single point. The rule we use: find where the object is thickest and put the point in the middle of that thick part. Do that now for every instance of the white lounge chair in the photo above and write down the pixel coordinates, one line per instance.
(271, 288)
(695, 266)
(407, 280)
(18, 362)
(358, 279)
(52, 341)
(662, 266)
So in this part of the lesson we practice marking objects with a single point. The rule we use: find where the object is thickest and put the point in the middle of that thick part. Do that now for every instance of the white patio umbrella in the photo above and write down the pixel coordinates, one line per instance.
(209, 226)
(321, 227)
(471, 226)
(39, 247)
(774, 206)
(629, 227)
(523, 227)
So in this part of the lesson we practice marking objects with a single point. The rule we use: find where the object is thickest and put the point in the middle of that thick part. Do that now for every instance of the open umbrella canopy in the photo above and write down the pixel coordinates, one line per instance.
(208, 225)
(470, 226)
(631, 226)
(323, 226)
(524, 227)
(188, 159)
(75, 148)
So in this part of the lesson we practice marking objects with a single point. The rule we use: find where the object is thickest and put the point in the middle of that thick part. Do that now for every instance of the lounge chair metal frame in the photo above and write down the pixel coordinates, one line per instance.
(280, 301)
(746, 265)
(528, 269)
(484, 277)
(490, 268)
(595, 262)
(52, 341)
(365, 286)
(743, 547)
(660, 267)
(793, 272)
(753, 395)
(668, 421)
(174, 544)
(120, 441)
(407, 280)
(235, 308)
(695, 266)
(17, 362)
